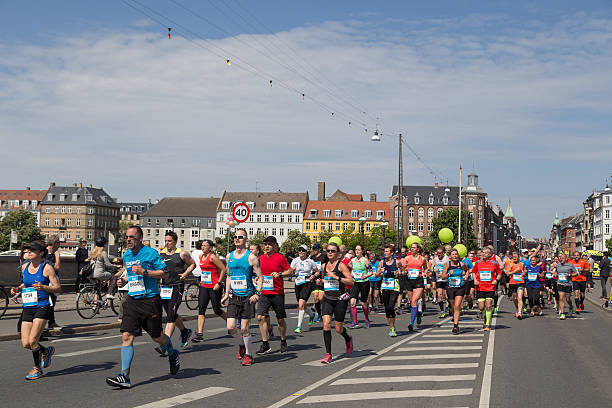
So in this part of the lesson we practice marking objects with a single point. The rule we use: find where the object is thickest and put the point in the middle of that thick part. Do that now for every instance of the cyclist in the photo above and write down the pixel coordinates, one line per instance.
(104, 270)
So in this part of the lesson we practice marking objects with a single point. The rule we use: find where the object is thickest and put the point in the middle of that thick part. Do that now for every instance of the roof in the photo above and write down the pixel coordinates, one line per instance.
(184, 207)
(21, 196)
(134, 208)
(424, 192)
(340, 195)
(346, 207)
(259, 200)
(98, 196)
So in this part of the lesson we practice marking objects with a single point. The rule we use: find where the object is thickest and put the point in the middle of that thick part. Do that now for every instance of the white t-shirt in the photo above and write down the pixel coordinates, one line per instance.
(303, 268)
(195, 255)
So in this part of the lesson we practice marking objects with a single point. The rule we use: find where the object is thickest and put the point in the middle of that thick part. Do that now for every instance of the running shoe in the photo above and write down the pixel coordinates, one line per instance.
(494, 310)
(442, 315)
(582, 306)
(46, 358)
(419, 318)
(247, 360)
(161, 352)
(410, 328)
(35, 374)
(366, 324)
(487, 328)
(197, 338)
(577, 310)
(520, 316)
(327, 359)
(298, 330)
(121, 381)
(185, 336)
(555, 307)
(318, 319)
(392, 332)
(349, 345)
(455, 330)
(175, 362)
(264, 349)
(241, 352)
(283, 347)
(311, 319)
(532, 313)
(398, 311)
(562, 316)
(353, 325)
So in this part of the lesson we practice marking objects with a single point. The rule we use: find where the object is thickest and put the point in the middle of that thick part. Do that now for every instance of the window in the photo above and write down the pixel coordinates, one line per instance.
(267, 218)
(431, 199)
(354, 213)
(225, 205)
(88, 197)
(420, 226)
(312, 213)
(282, 218)
(368, 226)
(75, 197)
(326, 213)
(295, 206)
(57, 210)
(251, 231)
(209, 223)
(273, 218)
(182, 222)
(344, 226)
(56, 222)
(430, 213)
(281, 232)
(315, 226)
(195, 233)
(90, 235)
(47, 222)
(430, 226)
(69, 210)
(421, 212)
(78, 222)
(63, 210)
(480, 201)
(62, 237)
(270, 206)
(329, 226)
(367, 213)
(338, 213)
(607, 214)
(266, 231)
(282, 206)
(471, 201)
(380, 214)
(479, 215)
(297, 218)
(410, 212)
(221, 231)
(445, 200)
(607, 199)
(89, 223)
(417, 199)
(322, 226)
(62, 197)
(90, 210)
(250, 204)
(251, 218)
(49, 197)
(273, 231)
(479, 228)
(47, 210)
(220, 217)
(607, 228)
(307, 226)
(77, 235)
(440, 211)
(411, 226)
(290, 218)
(258, 217)
(337, 226)
(78, 210)
(69, 222)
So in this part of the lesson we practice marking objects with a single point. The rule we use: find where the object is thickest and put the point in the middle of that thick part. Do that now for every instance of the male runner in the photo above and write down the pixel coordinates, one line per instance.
(579, 280)
(486, 274)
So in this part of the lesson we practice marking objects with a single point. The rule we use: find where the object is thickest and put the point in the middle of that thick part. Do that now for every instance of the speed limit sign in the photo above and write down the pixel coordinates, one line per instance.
(241, 212)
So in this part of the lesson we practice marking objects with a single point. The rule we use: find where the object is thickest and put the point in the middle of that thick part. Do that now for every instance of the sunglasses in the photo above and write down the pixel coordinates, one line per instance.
(301, 250)
(331, 251)
(239, 237)
(131, 237)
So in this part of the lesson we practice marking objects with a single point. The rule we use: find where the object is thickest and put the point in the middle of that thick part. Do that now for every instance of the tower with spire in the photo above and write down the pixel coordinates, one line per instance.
(509, 214)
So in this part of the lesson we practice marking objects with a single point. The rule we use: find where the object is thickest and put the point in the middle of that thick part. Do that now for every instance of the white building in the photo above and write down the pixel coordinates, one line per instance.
(602, 218)
(271, 213)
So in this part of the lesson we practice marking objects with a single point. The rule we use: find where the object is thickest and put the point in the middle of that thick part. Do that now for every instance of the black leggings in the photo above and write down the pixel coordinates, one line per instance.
(208, 295)
(389, 299)
(533, 294)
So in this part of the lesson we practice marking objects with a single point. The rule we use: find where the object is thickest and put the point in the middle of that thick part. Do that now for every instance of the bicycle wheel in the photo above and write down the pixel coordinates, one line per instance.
(87, 303)
(4, 300)
(116, 302)
(191, 296)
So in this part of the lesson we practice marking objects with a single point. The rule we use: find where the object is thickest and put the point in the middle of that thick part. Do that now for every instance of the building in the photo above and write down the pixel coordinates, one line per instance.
(131, 212)
(568, 230)
(602, 221)
(271, 213)
(476, 201)
(28, 200)
(494, 228)
(343, 212)
(191, 218)
(587, 230)
(79, 212)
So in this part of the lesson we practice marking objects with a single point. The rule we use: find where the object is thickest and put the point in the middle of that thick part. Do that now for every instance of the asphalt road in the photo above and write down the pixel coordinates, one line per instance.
(539, 361)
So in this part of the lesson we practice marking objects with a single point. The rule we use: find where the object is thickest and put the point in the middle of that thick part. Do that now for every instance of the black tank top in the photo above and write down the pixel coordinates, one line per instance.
(174, 265)
(333, 294)
(389, 269)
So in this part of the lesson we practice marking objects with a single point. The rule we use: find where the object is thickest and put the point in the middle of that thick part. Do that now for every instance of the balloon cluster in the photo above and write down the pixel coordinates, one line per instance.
(230, 220)
(413, 239)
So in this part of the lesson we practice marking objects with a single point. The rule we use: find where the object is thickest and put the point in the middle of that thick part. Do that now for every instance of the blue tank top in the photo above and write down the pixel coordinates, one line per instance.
(30, 279)
(375, 268)
(241, 274)
(455, 276)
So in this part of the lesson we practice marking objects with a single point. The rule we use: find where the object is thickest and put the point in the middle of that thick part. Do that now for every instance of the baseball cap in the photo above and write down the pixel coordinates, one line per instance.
(316, 246)
(271, 240)
(525, 250)
(304, 247)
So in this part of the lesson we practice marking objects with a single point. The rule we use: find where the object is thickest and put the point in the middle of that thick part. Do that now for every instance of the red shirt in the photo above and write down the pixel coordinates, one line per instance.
(275, 263)
(486, 267)
(207, 266)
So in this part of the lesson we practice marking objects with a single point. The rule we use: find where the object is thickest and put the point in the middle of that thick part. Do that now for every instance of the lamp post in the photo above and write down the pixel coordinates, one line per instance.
(383, 226)
(362, 221)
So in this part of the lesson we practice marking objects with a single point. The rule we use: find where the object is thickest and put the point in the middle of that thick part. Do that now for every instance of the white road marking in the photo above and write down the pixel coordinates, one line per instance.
(419, 367)
(186, 398)
(451, 335)
(86, 338)
(95, 350)
(456, 339)
(429, 357)
(378, 380)
(485, 391)
(438, 348)
(359, 396)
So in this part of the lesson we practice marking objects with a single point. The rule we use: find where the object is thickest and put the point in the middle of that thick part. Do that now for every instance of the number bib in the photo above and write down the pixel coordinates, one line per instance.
(563, 277)
(532, 276)
(166, 292)
(517, 277)
(485, 276)
(238, 283)
(454, 282)
(357, 274)
(549, 275)
(413, 273)
(206, 278)
(438, 269)
(300, 279)
(136, 285)
(268, 283)
(330, 283)
(29, 296)
(388, 284)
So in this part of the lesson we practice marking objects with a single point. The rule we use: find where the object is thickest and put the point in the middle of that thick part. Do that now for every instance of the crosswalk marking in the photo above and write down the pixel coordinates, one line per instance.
(418, 367)
(95, 350)
(359, 396)
(451, 335)
(186, 398)
(412, 378)
(454, 340)
(429, 357)
(438, 348)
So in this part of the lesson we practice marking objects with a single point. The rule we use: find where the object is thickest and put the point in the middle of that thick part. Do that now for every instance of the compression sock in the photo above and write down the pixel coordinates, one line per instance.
(127, 354)
(354, 314)
(366, 313)
(413, 314)
(495, 299)
(167, 346)
(300, 318)
(327, 338)
(318, 307)
(345, 334)
(247, 344)
(36, 355)
(488, 314)
(441, 305)
(420, 305)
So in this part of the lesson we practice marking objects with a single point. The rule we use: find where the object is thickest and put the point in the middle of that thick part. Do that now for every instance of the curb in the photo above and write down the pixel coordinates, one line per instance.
(593, 302)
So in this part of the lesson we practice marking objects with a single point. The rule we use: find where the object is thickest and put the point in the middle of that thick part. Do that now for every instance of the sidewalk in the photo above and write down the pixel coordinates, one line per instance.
(593, 296)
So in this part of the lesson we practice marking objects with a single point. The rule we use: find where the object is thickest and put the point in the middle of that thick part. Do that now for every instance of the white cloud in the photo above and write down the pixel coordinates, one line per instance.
(147, 116)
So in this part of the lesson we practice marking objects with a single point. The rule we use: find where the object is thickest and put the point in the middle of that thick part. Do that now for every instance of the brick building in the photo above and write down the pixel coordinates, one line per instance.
(27, 200)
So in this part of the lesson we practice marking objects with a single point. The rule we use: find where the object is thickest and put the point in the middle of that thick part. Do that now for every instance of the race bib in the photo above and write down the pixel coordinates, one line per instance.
(238, 283)
(330, 283)
(268, 283)
(29, 296)
(549, 275)
(206, 278)
(136, 285)
(166, 292)
(413, 273)
(517, 277)
(300, 279)
(532, 276)
(357, 274)
(485, 276)
(388, 284)
(454, 282)
(318, 265)
(563, 277)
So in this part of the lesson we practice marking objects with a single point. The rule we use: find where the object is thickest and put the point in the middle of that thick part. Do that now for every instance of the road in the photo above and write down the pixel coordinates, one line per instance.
(539, 361)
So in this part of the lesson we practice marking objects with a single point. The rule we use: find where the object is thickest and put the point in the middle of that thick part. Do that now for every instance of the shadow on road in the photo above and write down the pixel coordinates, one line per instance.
(109, 365)
(184, 373)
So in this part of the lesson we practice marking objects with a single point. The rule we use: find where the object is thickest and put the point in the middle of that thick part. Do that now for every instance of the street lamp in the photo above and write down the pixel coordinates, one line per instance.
(383, 226)
(362, 221)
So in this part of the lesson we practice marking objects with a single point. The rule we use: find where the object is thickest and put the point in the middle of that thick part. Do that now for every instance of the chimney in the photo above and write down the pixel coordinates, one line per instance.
(321, 191)
(52, 184)
(80, 185)
(372, 196)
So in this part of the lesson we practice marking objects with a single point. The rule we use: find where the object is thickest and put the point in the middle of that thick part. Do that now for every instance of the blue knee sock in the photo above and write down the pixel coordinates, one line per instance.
(127, 354)
(413, 314)
(167, 346)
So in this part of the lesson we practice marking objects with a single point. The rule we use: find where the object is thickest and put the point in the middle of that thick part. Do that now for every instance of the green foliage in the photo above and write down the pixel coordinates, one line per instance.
(609, 244)
(221, 243)
(294, 239)
(123, 227)
(450, 219)
(24, 222)
(372, 241)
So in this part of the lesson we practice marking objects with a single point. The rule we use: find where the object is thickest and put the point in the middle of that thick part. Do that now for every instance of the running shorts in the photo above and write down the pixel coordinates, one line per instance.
(375, 285)
(460, 291)
(239, 307)
(441, 285)
(145, 313)
(334, 308)
(303, 291)
(514, 288)
(564, 288)
(360, 290)
(485, 295)
(412, 284)
(276, 302)
(171, 305)
(28, 314)
(581, 286)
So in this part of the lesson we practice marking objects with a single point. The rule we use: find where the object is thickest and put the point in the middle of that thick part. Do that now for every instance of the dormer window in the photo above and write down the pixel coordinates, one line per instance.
(75, 197)
(282, 206)
(225, 205)
(295, 206)
(367, 213)
(445, 200)
(49, 197)
(250, 204)
(326, 213)
(270, 205)
(431, 199)
(338, 213)
(354, 213)
(88, 197)
(62, 197)
(417, 199)
(313, 213)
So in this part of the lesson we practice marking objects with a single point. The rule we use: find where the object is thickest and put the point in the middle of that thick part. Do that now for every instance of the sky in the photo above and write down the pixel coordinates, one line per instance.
(518, 92)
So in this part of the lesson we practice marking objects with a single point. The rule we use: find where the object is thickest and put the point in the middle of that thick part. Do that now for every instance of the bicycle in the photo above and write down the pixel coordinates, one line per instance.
(89, 303)
(4, 300)
(192, 292)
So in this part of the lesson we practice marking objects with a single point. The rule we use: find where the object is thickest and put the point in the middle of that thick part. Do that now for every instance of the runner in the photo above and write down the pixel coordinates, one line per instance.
(39, 279)
(304, 269)
(469, 284)
(455, 273)
(389, 273)
(212, 276)
(143, 307)
(375, 282)
(361, 270)
(173, 287)
(53, 258)
(515, 271)
(563, 272)
(439, 260)
(414, 265)
(579, 279)
(486, 274)
(335, 275)
(534, 273)
(319, 258)
(241, 264)
(548, 284)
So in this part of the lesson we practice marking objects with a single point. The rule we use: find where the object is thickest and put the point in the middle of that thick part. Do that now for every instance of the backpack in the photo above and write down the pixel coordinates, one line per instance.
(87, 271)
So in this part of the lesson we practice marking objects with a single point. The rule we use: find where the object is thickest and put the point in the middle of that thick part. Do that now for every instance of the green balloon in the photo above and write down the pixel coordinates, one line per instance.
(412, 239)
(445, 235)
(335, 240)
(461, 249)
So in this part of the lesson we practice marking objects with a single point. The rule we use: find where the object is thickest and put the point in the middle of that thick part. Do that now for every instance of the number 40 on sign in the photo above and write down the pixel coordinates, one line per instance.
(241, 212)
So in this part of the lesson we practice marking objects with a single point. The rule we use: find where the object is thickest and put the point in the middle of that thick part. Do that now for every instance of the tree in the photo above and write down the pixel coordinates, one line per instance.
(123, 227)
(372, 240)
(450, 219)
(24, 222)
(609, 244)
(294, 239)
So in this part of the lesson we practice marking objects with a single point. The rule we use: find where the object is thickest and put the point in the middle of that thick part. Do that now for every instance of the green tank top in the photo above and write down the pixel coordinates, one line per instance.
(359, 269)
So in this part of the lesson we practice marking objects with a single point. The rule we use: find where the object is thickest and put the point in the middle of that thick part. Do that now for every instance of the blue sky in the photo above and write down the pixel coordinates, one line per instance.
(517, 91)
